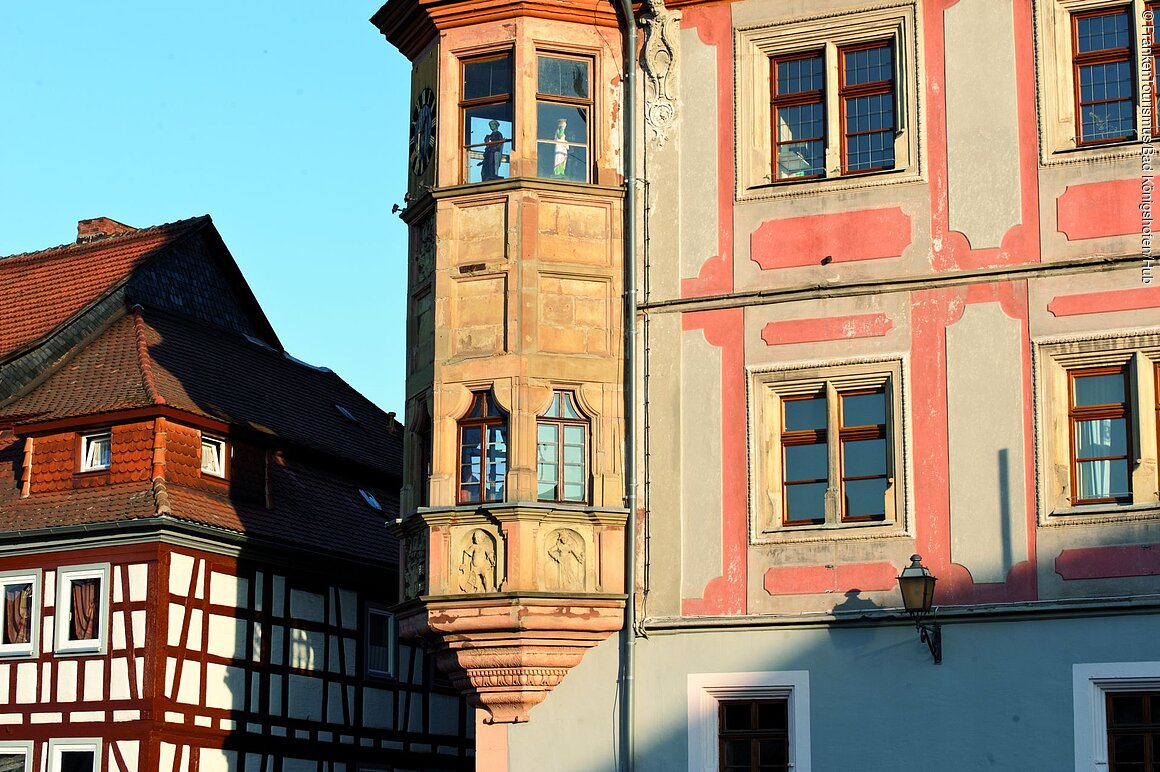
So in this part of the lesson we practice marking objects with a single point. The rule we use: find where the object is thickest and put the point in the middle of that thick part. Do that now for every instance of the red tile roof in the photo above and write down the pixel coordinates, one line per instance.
(54, 285)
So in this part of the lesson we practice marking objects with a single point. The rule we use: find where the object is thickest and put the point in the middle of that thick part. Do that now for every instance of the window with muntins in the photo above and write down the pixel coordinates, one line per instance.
(1103, 76)
(487, 114)
(18, 614)
(563, 113)
(753, 736)
(1133, 731)
(95, 451)
(483, 451)
(562, 451)
(1100, 416)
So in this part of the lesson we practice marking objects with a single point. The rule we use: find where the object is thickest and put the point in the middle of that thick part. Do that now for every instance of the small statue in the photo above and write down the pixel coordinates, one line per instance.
(561, 155)
(493, 151)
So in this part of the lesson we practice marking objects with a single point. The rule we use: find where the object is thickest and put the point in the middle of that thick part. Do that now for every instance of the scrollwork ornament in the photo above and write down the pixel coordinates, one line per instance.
(659, 62)
(413, 576)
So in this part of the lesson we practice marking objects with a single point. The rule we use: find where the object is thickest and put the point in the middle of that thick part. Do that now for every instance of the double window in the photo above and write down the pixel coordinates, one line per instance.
(483, 451)
(563, 131)
(827, 448)
(1099, 425)
(562, 451)
(18, 617)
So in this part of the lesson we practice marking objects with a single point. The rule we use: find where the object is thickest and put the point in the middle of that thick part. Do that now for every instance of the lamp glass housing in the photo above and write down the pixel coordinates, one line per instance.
(917, 586)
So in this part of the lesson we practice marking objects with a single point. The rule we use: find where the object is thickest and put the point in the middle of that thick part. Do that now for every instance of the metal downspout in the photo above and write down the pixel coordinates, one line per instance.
(628, 633)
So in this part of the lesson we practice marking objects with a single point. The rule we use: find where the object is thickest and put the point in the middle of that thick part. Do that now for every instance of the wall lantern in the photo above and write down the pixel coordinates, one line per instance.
(917, 585)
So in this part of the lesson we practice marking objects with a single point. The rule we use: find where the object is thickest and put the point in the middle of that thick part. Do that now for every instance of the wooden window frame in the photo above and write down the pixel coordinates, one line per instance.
(1150, 728)
(83, 441)
(873, 88)
(58, 747)
(30, 647)
(484, 422)
(560, 423)
(493, 99)
(754, 736)
(1096, 412)
(558, 99)
(66, 575)
(1103, 56)
(795, 99)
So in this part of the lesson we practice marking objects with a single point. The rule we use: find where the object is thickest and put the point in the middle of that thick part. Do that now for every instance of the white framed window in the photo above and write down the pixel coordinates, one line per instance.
(19, 613)
(1094, 93)
(1096, 427)
(708, 691)
(74, 755)
(827, 450)
(15, 756)
(382, 643)
(829, 98)
(95, 451)
(213, 456)
(1095, 687)
(82, 609)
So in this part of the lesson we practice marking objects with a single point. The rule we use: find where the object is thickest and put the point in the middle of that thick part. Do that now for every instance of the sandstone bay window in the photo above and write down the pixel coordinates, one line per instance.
(1103, 76)
(827, 450)
(563, 112)
(487, 113)
(1100, 414)
(562, 451)
(483, 451)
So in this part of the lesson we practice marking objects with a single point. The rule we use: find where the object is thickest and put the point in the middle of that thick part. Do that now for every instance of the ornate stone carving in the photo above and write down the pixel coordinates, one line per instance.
(659, 62)
(414, 573)
(424, 250)
(477, 562)
(564, 563)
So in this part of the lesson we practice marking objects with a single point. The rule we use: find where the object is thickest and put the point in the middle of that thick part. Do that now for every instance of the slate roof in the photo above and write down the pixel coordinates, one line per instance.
(53, 285)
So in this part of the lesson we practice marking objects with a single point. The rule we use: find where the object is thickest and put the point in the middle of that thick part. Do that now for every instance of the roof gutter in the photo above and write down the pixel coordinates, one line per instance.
(628, 632)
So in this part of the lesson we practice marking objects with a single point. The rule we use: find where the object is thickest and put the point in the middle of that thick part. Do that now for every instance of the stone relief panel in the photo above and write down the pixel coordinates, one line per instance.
(478, 562)
(659, 62)
(564, 563)
(479, 316)
(414, 573)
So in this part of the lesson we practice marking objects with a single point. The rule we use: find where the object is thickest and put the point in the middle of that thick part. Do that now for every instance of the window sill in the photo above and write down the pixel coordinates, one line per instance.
(1111, 151)
(1101, 514)
(791, 188)
(825, 533)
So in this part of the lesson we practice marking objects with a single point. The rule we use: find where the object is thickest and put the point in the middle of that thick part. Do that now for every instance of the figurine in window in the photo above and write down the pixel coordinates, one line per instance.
(561, 157)
(493, 151)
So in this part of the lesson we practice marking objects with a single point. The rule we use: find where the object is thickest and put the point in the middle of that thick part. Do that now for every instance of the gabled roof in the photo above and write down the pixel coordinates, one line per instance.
(39, 291)
(149, 358)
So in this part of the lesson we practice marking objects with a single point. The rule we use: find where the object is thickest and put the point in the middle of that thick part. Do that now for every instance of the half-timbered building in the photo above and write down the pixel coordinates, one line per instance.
(194, 563)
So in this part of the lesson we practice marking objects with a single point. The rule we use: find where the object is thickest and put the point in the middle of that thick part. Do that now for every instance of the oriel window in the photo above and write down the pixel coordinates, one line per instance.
(563, 110)
(562, 451)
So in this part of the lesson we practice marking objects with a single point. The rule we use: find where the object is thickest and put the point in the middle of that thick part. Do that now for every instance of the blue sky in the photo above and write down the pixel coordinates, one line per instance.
(286, 122)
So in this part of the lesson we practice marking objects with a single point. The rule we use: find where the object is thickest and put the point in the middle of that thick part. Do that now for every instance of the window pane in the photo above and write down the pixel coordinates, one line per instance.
(736, 716)
(12, 762)
(868, 65)
(1103, 479)
(76, 761)
(797, 75)
(1128, 749)
(772, 715)
(806, 462)
(1106, 389)
(84, 609)
(800, 159)
(737, 755)
(1099, 33)
(469, 448)
(865, 498)
(488, 133)
(1101, 437)
(488, 78)
(866, 152)
(864, 458)
(17, 614)
(805, 502)
(563, 77)
(772, 754)
(805, 414)
(1127, 709)
(864, 409)
(562, 152)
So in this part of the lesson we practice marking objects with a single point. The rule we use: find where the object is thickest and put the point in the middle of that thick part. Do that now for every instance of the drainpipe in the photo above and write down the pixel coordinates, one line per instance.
(628, 633)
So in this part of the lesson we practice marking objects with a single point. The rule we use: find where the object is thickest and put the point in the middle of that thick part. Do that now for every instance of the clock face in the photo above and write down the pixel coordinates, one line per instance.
(422, 131)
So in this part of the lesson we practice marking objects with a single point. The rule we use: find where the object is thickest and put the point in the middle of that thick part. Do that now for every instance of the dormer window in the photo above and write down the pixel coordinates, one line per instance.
(95, 451)
(213, 456)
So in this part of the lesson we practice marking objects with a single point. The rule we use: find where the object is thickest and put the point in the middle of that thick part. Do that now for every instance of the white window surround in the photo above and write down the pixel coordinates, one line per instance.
(767, 387)
(1053, 359)
(753, 47)
(1055, 81)
(1091, 683)
(96, 450)
(18, 748)
(373, 666)
(58, 747)
(66, 575)
(707, 690)
(9, 578)
(213, 456)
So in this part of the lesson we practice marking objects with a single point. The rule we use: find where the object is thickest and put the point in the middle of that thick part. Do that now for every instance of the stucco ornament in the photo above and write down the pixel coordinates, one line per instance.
(413, 575)
(477, 564)
(659, 62)
(565, 561)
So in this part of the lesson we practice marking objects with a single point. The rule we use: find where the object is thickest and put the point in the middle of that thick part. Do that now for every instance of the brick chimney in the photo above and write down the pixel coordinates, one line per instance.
(99, 228)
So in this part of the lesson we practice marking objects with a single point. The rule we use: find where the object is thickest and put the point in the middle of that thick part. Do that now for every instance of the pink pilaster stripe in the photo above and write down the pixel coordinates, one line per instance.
(830, 328)
(1099, 209)
(1105, 302)
(868, 234)
(1109, 562)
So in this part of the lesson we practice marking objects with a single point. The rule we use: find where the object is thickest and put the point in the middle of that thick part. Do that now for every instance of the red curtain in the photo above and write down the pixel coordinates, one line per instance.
(17, 612)
(84, 609)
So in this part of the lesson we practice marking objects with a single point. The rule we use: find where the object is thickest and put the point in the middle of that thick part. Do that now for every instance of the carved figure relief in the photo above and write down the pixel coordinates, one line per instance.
(424, 250)
(477, 563)
(659, 62)
(564, 569)
(413, 575)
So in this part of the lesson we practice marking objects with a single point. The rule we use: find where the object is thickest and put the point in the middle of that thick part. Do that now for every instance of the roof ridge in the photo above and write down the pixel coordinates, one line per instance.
(144, 360)
(161, 496)
(21, 257)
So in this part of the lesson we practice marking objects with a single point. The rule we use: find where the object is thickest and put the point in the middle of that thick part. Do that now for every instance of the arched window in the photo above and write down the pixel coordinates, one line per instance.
(562, 451)
(483, 451)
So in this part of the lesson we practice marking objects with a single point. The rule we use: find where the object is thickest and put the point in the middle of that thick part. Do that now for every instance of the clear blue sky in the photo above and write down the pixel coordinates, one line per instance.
(286, 122)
